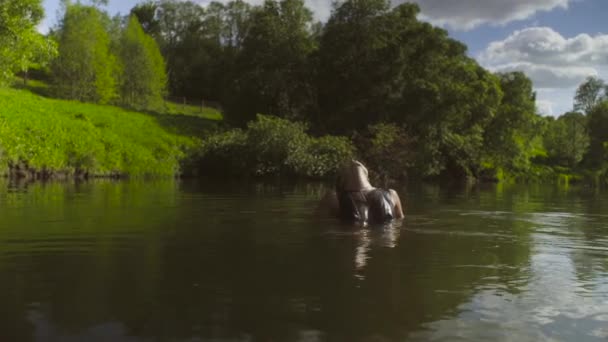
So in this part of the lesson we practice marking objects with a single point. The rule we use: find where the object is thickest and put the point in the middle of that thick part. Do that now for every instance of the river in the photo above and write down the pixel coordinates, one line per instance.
(221, 261)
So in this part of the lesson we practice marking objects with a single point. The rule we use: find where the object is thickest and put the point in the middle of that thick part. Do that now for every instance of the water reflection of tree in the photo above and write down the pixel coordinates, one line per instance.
(584, 234)
(64, 261)
(260, 271)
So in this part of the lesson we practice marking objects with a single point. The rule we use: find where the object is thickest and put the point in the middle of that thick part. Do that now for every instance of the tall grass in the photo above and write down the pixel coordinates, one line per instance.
(38, 134)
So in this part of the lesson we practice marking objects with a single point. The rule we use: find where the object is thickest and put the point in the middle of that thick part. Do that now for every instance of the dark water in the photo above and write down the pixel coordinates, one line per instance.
(137, 261)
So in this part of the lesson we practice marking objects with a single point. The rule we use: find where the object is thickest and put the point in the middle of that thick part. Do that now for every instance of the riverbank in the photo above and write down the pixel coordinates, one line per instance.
(44, 138)
(49, 138)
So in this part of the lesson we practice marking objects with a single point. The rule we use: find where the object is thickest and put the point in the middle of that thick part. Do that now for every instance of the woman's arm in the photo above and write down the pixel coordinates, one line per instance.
(398, 209)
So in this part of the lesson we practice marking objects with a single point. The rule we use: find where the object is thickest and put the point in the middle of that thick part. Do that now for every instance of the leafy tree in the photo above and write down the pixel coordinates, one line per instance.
(85, 69)
(228, 24)
(512, 138)
(237, 23)
(199, 44)
(453, 116)
(143, 80)
(567, 139)
(355, 66)
(146, 15)
(589, 94)
(21, 46)
(273, 72)
(387, 150)
(379, 64)
(598, 133)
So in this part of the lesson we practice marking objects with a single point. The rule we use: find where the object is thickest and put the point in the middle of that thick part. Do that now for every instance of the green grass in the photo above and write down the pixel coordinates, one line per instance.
(67, 137)
(189, 110)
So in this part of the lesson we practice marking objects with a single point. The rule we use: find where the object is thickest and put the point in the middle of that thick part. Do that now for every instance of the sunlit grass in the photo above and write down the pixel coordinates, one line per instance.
(71, 137)
(190, 110)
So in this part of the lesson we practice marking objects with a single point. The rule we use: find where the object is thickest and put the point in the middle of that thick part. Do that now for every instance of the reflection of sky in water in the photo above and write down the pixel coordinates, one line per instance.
(565, 297)
(45, 331)
(513, 272)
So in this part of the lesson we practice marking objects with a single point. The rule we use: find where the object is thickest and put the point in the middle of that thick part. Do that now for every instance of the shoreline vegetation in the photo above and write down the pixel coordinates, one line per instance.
(43, 139)
(298, 97)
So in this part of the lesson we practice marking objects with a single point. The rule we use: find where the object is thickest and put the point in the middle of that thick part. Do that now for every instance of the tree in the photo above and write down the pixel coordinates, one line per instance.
(85, 69)
(598, 133)
(589, 94)
(236, 23)
(143, 81)
(512, 138)
(567, 139)
(21, 46)
(379, 64)
(273, 71)
(146, 15)
(199, 44)
(355, 67)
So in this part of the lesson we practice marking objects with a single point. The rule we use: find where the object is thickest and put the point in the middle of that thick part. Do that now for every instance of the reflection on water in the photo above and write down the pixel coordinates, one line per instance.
(201, 261)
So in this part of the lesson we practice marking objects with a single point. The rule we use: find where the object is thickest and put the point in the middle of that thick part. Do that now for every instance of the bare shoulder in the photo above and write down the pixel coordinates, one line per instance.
(398, 205)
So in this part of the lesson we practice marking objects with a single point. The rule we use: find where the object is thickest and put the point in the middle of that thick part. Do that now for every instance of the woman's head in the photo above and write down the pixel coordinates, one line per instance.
(353, 176)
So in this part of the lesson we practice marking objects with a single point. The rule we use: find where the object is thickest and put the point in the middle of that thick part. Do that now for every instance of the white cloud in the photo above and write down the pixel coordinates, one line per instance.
(554, 101)
(456, 14)
(548, 58)
(468, 14)
(556, 64)
(543, 45)
(321, 8)
(544, 107)
(547, 76)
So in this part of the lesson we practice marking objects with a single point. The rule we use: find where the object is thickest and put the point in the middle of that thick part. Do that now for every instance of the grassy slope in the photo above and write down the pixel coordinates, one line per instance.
(68, 137)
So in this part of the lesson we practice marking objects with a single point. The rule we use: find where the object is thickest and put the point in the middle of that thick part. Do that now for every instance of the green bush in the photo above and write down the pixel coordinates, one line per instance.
(273, 146)
(273, 143)
(322, 156)
(222, 153)
(387, 151)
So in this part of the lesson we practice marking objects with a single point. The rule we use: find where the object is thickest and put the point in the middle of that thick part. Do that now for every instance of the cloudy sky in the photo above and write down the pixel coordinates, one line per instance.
(557, 43)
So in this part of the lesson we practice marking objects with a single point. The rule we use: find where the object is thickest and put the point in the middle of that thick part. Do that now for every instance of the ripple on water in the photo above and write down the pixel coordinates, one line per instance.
(15, 247)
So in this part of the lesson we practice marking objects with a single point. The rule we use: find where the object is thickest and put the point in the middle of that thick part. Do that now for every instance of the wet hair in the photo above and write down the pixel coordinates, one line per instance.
(346, 170)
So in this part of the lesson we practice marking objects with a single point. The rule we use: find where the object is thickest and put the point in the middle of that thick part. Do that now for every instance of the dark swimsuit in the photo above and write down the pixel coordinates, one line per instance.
(374, 206)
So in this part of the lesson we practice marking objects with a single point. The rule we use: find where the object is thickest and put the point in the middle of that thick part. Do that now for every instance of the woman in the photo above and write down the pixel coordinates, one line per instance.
(356, 200)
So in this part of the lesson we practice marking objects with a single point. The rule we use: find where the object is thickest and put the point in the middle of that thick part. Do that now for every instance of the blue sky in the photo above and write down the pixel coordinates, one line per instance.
(557, 43)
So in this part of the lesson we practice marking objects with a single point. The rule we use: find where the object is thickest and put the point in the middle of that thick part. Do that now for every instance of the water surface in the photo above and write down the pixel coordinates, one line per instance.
(213, 261)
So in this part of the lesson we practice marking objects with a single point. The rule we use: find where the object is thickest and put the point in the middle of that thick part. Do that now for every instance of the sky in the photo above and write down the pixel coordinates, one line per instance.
(557, 43)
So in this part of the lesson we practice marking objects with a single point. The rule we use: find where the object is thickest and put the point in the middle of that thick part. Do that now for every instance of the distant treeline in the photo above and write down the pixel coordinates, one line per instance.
(405, 94)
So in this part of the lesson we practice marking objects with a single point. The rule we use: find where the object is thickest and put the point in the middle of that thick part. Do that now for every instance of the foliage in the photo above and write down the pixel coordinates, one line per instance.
(350, 72)
(64, 137)
(589, 94)
(143, 80)
(322, 156)
(146, 14)
(598, 133)
(21, 46)
(374, 72)
(198, 44)
(566, 139)
(513, 137)
(382, 65)
(387, 150)
(272, 146)
(272, 70)
(85, 70)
